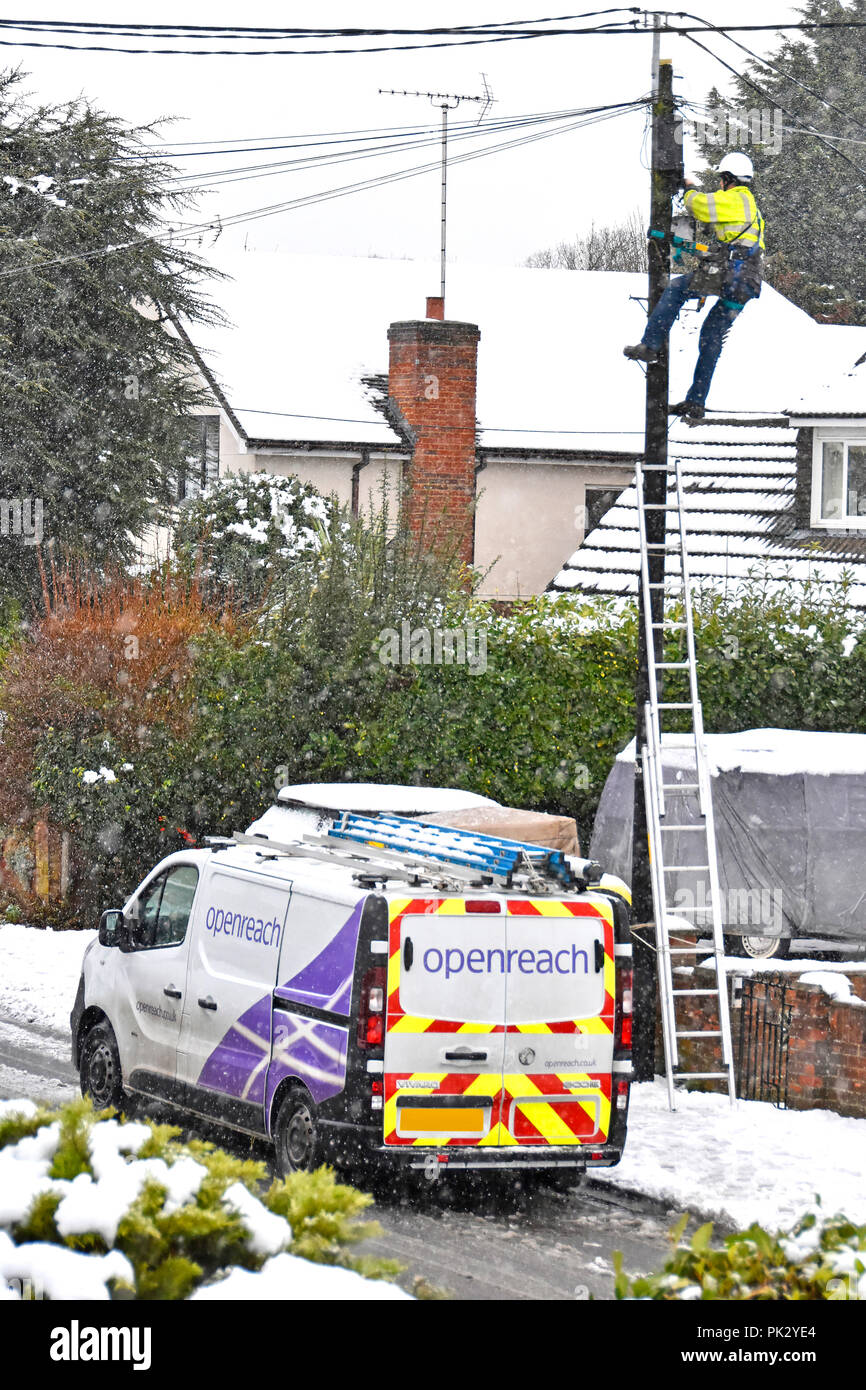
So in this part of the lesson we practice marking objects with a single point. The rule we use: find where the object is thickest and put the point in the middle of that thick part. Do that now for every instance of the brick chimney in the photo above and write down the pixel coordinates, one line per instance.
(431, 383)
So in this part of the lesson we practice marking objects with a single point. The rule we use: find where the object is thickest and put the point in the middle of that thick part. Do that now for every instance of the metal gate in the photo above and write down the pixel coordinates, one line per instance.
(766, 1006)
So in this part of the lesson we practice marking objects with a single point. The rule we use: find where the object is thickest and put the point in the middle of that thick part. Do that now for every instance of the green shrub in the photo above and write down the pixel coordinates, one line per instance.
(301, 691)
(818, 1259)
(184, 1222)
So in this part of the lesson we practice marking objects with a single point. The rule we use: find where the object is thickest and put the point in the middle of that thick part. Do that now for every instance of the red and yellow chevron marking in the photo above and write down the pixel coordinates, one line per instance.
(540, 1109)
(526, 1109)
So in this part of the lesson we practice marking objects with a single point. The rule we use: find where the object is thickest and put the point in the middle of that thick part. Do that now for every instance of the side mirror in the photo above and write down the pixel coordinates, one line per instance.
(112, 928)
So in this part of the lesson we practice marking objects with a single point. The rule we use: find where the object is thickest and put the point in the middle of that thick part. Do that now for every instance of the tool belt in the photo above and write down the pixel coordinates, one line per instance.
(728, 270)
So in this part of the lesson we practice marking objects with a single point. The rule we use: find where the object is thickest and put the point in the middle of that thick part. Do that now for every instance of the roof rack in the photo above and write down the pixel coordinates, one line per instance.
(385, 847)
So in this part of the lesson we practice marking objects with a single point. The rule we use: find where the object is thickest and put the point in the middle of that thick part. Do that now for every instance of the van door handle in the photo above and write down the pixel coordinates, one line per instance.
(172, 992)
(208, 1003)
(464, 1054)
(599, 955)
(408, 953)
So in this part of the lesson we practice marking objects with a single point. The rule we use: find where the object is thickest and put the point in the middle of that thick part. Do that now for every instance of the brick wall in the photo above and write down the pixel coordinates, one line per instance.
(432, 384)
(826, 1047)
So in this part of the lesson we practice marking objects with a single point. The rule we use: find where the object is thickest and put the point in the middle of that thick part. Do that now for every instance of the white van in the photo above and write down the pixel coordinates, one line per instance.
(388, 990)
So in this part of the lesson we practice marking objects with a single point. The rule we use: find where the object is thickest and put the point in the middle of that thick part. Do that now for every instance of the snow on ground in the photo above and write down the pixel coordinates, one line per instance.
(39, 973)
(735, 1166)
(742, 1164)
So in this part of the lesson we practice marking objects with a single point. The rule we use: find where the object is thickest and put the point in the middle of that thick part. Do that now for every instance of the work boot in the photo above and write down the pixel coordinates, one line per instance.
(690, 410)
(641, 353)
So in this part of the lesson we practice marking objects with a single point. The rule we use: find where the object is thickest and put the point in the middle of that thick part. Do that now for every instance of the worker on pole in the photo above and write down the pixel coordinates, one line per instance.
(731, 269)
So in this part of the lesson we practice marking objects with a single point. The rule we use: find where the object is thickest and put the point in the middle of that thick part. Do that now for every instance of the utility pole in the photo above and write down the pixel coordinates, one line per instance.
(446, 101)
(666, 172)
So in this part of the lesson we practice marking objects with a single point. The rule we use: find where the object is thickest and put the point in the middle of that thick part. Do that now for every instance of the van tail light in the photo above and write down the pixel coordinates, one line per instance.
(371, 1014)
(482, 905)
(624, 1004)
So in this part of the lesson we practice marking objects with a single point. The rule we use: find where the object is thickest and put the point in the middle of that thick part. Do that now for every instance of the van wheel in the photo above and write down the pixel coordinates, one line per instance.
(296, 1135)
(758, 947)
(100, 1074)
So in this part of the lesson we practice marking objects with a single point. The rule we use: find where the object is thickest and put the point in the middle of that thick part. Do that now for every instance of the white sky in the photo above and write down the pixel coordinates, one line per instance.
(499, 209)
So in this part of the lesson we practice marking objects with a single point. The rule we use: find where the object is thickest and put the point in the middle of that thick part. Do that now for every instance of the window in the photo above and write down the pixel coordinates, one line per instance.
(164, 908)
(203, 458)
(839, 481)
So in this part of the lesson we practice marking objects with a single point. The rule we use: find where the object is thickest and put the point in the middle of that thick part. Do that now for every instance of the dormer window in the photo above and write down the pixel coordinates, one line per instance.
(839, 479)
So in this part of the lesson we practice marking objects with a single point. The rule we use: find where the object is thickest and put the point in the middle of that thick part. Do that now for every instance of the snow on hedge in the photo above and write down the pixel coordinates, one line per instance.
(93, 1208)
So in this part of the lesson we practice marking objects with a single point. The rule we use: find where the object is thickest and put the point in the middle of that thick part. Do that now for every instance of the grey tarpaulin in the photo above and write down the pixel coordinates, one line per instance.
(790, 814)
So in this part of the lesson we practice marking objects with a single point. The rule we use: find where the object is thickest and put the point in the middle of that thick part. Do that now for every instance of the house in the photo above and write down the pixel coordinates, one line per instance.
(324, 373)
(515, 418)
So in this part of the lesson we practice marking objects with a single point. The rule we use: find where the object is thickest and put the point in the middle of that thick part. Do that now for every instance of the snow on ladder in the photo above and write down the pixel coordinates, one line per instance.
(664, 801)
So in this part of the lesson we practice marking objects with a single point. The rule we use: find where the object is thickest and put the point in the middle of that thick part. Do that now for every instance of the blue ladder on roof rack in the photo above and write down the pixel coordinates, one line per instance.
(487, 853)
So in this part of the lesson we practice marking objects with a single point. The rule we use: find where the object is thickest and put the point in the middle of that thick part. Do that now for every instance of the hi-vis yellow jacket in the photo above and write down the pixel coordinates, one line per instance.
(733, 214)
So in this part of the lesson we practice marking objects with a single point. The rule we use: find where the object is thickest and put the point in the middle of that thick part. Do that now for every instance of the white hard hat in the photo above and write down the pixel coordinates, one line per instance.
(737, 164)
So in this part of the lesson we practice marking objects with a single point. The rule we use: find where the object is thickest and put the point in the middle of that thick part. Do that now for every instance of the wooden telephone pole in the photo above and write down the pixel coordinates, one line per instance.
(667, 172)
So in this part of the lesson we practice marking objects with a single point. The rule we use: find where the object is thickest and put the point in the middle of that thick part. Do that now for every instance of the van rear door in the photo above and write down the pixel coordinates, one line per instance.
(559, 1022)
(445, 1039)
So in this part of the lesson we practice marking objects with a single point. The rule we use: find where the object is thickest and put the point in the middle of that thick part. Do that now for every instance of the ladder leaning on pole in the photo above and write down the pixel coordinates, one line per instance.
(665, 801)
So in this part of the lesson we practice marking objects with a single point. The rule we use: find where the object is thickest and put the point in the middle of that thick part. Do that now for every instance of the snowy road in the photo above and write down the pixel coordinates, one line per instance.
(548, 1245)
(35, 1061)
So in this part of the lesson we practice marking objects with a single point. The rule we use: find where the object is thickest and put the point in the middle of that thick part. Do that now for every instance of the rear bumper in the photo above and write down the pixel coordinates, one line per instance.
(573, 1156)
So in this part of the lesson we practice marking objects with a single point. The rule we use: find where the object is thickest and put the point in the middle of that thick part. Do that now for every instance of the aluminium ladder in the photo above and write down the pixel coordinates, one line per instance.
(665, 801)
(396, 847)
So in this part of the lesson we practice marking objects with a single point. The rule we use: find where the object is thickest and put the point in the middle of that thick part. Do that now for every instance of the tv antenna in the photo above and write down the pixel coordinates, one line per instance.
(446, 101)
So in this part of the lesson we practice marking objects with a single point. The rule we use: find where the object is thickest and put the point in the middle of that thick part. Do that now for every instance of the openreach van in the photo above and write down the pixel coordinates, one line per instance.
(387, 990)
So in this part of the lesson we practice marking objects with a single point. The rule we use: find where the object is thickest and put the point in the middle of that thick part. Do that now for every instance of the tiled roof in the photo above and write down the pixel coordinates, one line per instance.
(739, 483)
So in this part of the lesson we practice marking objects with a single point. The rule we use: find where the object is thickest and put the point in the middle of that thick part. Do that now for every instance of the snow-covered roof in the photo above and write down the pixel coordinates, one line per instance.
(306, 330)
(841, 393)
(740, 487)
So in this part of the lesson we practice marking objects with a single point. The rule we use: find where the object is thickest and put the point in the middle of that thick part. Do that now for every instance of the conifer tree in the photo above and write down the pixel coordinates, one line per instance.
(96, 387)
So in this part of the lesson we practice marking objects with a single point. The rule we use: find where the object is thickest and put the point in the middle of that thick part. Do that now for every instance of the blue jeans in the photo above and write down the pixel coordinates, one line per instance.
(714, 330)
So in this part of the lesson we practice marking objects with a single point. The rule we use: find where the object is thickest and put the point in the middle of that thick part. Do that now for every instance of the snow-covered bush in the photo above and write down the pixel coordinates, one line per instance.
(96, 1207)
(246, 530)
(819, 1259)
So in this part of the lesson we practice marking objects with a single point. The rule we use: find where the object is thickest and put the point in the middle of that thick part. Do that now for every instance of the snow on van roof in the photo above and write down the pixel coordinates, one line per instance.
(776, 752)
(399, 800)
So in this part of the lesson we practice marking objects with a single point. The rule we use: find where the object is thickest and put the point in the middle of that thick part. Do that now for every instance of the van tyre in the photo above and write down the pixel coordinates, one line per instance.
(758, 947)
(296, 1134)
(100, 1074)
